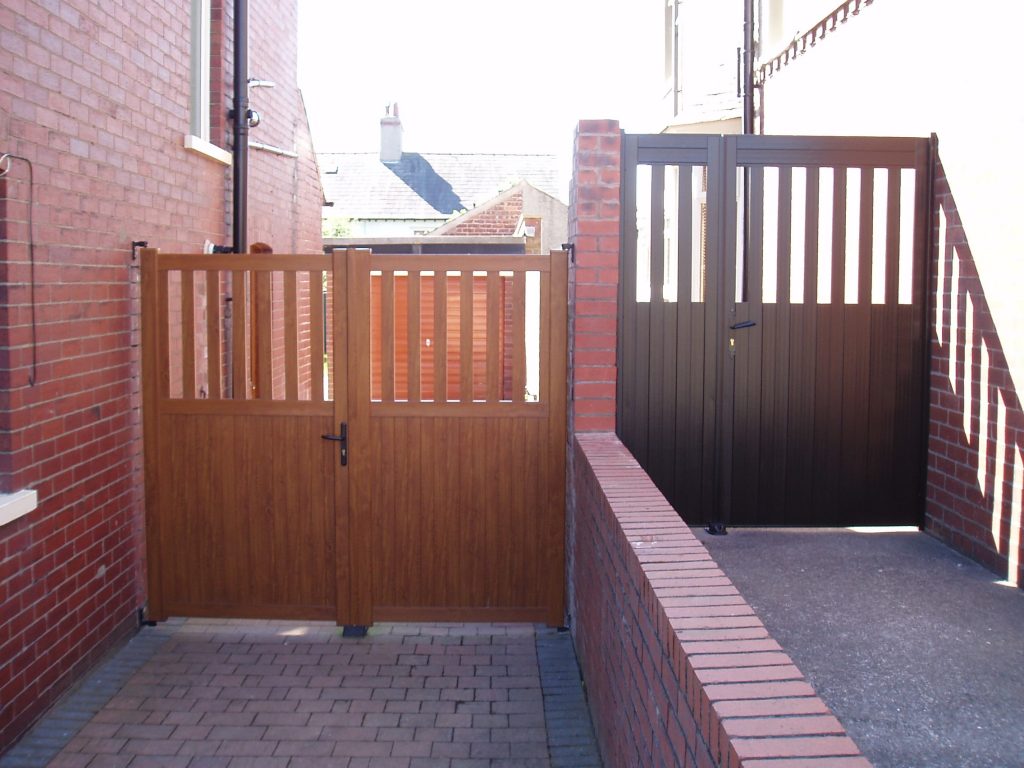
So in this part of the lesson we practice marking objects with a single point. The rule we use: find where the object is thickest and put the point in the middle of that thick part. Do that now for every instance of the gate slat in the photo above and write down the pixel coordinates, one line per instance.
(494, 308)
(163, 280)
(291, 339)
(316, 334)
(263, 361)
(214, 365)
(387, 336)
(440, 336)
(518, 336)
(240, 387)
(466, 336)
(188, 334)
(746, 452)
(545, 337)
(657, 394)
(414, 344)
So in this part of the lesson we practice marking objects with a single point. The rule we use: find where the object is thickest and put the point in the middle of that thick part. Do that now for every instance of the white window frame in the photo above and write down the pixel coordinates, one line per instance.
(198, 137)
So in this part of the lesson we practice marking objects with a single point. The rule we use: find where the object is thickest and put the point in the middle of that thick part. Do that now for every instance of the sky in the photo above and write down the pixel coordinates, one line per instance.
(476, 75)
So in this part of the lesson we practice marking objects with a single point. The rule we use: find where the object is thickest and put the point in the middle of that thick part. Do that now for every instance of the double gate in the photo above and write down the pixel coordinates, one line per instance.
(355, 437)
(771, 331)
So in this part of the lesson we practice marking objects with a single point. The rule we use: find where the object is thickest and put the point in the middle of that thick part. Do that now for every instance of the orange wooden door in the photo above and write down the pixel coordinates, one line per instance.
(457, 504)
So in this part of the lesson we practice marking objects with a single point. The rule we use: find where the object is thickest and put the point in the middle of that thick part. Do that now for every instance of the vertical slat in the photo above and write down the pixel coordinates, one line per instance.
(162, 279)
(554, 370)
(188, 335)
(414, 344)
(440, 336)
(154, 386)
(892, 237)
(241, 386)
(214, 365)
(685, 464)
(387, 336)
(358, 543)
(263, 361)
(838, 291)
(811, 236)
(494, 309)
(867, 221)
(545, 335)
(659, 461)
(291, 339)
(785, 231)
(518, 336)
(746, 450)
(316, 333)
(727, 316)
(466, 336)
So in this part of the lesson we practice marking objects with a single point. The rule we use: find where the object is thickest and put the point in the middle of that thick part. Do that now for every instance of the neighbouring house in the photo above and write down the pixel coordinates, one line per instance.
(394, 193)
(822, 67)
(114, 129)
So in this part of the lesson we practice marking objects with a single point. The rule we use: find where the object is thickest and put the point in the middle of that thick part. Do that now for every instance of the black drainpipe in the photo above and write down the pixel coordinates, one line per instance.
(748, 66)
(240, 120)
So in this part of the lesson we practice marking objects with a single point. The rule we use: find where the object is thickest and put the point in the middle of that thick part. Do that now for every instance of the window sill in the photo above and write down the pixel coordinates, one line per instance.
(203, 147)
(15, 505)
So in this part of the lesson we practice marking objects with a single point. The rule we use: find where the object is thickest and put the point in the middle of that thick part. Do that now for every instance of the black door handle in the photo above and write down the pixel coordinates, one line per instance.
(342, 439)
(744, 324)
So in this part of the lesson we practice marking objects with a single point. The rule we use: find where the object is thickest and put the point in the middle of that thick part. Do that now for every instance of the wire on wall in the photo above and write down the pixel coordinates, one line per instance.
(5, 167)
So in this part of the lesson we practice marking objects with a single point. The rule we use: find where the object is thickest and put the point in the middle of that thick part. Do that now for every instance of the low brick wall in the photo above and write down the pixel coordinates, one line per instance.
(679, 670)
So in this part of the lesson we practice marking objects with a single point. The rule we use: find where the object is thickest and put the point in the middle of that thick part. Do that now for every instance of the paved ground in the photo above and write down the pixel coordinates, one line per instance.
(233, 694)
(917, 650)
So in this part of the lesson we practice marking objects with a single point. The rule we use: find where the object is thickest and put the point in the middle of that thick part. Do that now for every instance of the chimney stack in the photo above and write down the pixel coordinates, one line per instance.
(390, 135)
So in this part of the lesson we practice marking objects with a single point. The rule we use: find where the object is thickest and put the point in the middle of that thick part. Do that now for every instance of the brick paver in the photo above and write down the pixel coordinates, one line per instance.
(240, 694)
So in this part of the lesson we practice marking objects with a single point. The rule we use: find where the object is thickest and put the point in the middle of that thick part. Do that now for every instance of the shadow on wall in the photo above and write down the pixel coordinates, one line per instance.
(976, 435)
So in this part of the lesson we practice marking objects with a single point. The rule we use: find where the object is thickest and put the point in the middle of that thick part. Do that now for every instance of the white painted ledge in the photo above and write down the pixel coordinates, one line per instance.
(15, 505)
(203, 147)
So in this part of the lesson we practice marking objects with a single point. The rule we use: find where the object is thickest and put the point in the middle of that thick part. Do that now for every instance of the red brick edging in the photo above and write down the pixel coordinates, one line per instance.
(679, 669)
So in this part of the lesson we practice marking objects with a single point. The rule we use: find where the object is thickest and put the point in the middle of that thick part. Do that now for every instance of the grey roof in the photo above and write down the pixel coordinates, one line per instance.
(428, 185)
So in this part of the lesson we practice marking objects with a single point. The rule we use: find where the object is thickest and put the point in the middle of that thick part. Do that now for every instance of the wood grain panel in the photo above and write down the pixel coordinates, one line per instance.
(249, 526)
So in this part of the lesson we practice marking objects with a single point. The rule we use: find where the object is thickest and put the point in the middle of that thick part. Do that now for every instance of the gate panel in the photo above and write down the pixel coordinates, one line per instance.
(812, 328)
(240, 487)
(458, 498)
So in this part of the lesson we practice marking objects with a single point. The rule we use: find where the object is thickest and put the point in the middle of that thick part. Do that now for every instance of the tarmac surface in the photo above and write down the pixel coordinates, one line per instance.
(918, 651)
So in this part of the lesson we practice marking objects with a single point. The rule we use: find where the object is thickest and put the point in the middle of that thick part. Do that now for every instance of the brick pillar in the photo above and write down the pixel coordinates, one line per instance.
(594, 213)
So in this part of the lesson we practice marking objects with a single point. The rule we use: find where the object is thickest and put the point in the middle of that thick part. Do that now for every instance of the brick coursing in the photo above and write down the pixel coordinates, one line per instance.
(498, 219)
(975, 475)
(679, 669)
(97, 98)
(594, 207)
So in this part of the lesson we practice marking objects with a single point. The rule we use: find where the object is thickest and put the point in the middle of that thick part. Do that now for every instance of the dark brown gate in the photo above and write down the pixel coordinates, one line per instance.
(771, 358)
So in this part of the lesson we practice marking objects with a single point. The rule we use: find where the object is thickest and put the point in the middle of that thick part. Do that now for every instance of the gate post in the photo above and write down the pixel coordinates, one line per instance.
(594, 231)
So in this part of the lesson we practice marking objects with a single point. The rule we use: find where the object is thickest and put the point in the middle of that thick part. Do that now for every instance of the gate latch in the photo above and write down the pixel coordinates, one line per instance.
(342, 439)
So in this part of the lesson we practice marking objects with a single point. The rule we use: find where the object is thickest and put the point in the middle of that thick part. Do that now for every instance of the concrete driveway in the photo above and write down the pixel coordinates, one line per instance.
(917, 650)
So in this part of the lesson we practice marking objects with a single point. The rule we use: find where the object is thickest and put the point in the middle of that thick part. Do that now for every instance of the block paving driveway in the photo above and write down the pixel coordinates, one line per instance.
(230, 694)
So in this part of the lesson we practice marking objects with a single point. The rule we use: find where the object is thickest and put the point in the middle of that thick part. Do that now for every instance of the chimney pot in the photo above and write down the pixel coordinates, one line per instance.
(391, 136)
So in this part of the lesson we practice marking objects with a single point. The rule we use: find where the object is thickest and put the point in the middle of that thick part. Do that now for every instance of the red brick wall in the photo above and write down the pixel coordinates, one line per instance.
(594, 205)
(498, 219)
(679, 670)
(975, 480)
(97, 98)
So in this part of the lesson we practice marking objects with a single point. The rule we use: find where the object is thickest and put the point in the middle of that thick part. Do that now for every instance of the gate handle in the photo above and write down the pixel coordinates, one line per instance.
(744, 324)
(342, 438)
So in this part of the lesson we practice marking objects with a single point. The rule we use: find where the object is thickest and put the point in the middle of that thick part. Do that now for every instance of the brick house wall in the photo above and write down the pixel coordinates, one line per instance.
(975, 474)
(98, 99)
(498, 219)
